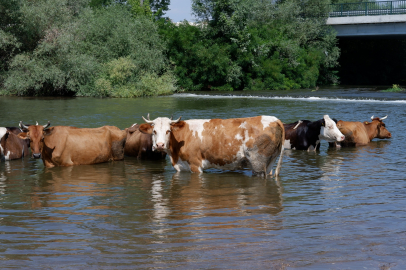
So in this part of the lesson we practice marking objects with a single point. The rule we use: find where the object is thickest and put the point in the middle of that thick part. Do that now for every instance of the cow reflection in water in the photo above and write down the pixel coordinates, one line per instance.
(62, 184)
(335, 163)
(216, 196)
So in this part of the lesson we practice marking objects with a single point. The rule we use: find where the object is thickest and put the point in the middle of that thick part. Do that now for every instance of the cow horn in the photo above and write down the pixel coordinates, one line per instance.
(372, 117)
(299, 122)
(22, 125)
(383, 118)
(47, 125)
(171, 117)
(175, 121)
(36, 123)
(147, 121)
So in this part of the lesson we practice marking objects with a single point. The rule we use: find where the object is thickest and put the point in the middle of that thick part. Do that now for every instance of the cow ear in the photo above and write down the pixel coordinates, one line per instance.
(48, 131)
(145, 128)
(24, 135)
(366, 123)
(178, 125)
(132, 129)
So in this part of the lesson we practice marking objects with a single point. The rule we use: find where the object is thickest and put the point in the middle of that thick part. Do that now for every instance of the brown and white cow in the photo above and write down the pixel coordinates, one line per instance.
(139, 145)
(358, 133)
(195, 145)
(67, 146)
(12, 147)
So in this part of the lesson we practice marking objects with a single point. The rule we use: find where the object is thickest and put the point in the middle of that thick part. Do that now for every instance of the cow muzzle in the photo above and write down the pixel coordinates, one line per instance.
(36, 156)
(158, 147)
(340, 138)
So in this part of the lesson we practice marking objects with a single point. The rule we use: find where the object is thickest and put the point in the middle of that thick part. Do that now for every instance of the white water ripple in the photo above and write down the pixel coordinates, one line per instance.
(313, 99)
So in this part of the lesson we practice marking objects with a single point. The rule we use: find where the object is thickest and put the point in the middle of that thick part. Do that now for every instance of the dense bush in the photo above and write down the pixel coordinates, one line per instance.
(118, 48)
(253, 45)
(75, 46)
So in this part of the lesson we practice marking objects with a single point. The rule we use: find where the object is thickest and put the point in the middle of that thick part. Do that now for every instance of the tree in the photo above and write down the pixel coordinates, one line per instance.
(77, 50)
(159, 7)
(248, 44)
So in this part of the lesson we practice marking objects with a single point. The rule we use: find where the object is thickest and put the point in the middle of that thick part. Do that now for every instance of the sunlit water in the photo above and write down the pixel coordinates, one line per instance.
(334, 209)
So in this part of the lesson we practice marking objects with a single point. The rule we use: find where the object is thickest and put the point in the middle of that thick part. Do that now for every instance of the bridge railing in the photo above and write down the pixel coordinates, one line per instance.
(368, 8)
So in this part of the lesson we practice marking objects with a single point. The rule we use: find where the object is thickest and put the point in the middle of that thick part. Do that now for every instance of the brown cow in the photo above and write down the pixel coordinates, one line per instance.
(67, 146)
(195, 145)
(12, 147)
(139, 145)
(357, 133)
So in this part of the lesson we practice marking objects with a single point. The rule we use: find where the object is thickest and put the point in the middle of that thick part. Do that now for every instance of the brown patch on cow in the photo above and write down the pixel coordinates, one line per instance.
(117, 149)
(176, 145)
(146, 128)
(266, 143)
(178, 125)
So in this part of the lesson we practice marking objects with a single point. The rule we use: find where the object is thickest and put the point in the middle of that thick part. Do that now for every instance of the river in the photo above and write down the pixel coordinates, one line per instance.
(333, 209)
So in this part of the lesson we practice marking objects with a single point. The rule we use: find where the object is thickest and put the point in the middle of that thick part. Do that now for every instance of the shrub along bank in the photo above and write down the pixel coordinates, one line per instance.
(118, 49)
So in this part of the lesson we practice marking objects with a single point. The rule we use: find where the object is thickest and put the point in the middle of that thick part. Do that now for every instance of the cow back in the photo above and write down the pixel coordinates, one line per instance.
(66, 146)
(355, 133)
(227, 143)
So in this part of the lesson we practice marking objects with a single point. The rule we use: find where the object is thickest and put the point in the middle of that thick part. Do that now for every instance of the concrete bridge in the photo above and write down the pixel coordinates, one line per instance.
(384, 18)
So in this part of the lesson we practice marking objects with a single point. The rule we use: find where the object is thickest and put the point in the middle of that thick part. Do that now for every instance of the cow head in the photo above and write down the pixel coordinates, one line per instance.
(329, 130)
(381, 132)
(35, 133)
(3, 137)
(161, 129)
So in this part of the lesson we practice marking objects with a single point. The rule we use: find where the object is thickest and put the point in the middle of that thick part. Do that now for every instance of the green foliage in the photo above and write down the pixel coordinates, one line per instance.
(119, 78)
(117, 48)
(140, 7)
(395, 88)
(154, 8)
(253, 45)
(74, 46)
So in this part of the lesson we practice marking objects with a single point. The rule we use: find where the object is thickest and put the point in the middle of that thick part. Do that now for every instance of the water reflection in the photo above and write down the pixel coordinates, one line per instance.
(342, 206)
(217, 195)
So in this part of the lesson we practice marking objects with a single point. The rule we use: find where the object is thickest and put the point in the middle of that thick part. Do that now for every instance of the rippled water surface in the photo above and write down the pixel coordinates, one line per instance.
(334, 209)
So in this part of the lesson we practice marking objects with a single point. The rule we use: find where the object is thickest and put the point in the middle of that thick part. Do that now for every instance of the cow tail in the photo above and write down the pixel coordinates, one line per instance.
(278, 167)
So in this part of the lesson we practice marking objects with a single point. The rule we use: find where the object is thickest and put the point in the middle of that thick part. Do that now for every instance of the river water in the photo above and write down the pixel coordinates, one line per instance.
(334, 209)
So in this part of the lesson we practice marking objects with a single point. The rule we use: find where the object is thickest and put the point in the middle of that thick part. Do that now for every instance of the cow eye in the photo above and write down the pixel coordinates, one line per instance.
(154, 131)
(168, 131)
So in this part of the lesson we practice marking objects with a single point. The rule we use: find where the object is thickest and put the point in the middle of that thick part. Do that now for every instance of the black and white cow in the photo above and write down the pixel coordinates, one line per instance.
(306, 135)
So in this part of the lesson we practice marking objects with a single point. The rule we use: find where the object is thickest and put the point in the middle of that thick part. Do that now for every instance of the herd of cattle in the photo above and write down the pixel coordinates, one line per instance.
(192, 145)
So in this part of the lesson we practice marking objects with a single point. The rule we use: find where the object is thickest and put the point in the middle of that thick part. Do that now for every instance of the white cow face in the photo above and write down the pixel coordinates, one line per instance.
(330, 132)
(3, 132)
(160, 129)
